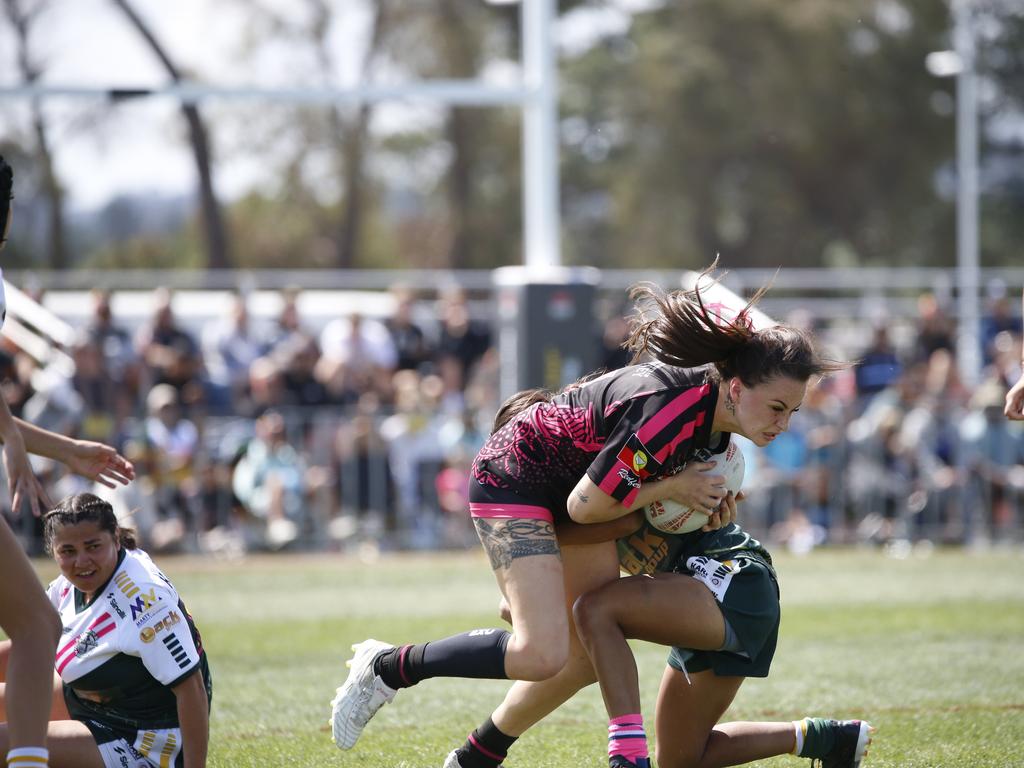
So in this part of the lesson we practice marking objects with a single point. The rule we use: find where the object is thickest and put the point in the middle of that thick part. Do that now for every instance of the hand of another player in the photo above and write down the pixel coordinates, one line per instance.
(726, 512)
(1014, 409)
(24, 484)
(694, 487)
(99, 462)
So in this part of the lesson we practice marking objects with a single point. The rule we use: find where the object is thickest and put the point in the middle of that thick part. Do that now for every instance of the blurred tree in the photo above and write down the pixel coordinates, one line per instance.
(1000, 52)
(217, 246)
(21, 15)
(773, 133)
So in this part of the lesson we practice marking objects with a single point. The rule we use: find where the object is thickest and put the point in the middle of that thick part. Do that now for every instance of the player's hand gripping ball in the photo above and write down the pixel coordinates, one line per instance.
(673, 517)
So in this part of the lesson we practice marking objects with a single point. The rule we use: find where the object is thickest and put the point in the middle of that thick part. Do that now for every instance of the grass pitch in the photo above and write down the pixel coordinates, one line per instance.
(929, 648)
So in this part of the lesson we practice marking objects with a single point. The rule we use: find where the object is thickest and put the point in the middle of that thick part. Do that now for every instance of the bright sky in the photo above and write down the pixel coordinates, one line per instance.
(138, 146)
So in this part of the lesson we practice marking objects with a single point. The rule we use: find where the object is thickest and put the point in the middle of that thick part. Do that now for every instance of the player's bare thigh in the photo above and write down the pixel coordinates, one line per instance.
(527, 564)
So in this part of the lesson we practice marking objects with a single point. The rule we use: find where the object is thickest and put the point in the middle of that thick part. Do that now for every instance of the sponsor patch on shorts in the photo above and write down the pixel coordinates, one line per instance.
(714, 574)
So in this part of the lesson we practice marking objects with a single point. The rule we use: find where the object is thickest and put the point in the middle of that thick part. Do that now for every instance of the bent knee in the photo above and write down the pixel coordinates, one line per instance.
(39, 627)
(590, 614)
(536, 660)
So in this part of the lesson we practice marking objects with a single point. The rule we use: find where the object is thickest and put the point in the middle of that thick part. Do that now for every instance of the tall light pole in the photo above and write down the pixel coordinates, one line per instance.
(960, 62)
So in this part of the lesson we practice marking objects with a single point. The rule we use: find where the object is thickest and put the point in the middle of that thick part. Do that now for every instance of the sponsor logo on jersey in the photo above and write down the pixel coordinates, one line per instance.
(174, 647)
(114, 606)
(630, 479)
(643, 551)
(86, 642)
(148, 634)
(143, 602)
(128, 756)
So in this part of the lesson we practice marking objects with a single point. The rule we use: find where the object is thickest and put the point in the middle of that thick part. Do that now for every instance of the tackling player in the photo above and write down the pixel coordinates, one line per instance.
(25, 616)
(592, 453)
(133, 686)
(714, 598)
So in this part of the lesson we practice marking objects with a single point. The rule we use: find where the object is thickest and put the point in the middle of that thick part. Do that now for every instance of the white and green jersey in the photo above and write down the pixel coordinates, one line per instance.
(120, 655)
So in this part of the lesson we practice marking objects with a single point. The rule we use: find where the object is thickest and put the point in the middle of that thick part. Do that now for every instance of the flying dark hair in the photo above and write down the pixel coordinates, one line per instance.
(678, 328)
(81, 508)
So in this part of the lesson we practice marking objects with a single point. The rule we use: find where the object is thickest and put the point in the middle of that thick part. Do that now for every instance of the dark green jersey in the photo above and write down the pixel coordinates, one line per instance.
(649, 550)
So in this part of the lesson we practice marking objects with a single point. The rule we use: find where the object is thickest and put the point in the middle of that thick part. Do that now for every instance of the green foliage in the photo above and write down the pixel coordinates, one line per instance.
(927, 648)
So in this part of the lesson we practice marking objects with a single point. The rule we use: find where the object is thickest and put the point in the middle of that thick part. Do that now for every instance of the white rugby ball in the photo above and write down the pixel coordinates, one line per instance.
(673, 517)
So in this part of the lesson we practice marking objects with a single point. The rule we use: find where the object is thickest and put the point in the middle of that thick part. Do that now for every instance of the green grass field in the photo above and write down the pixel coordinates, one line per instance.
(930, 649)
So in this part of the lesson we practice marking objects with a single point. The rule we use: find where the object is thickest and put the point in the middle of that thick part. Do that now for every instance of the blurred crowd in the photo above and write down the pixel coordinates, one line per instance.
(264, 434)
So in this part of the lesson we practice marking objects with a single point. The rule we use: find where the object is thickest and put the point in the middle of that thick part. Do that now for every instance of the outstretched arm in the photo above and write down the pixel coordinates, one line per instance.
(94, 461)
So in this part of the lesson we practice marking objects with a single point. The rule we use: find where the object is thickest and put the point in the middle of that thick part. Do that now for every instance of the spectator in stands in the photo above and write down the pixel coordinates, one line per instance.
(994, 450)
(288, 323)
(274, 483)
(170, 447)
(365, 484)
(229, 347)
(297, 357)
(998, 318)
(115, 344)
(461, 338)
(1014, 406)
(934, 329)
(170, 353)
(357, 355)
(878, 366)
(101, 417)
(266, 386)
(409, 340)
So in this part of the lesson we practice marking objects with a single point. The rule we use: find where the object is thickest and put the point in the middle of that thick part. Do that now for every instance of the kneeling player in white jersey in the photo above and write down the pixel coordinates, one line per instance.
(134, 684)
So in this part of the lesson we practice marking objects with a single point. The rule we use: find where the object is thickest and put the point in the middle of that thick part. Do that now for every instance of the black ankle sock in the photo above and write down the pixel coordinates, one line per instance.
(486, 747)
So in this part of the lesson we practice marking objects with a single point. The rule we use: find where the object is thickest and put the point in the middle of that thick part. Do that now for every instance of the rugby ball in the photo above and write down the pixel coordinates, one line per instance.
(673, 517)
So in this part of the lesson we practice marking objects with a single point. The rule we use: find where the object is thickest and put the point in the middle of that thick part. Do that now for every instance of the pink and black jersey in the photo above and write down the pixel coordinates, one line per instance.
(643, 421)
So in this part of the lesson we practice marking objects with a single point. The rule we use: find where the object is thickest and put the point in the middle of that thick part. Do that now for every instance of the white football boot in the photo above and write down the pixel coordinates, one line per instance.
(452, 761)
(362, 694)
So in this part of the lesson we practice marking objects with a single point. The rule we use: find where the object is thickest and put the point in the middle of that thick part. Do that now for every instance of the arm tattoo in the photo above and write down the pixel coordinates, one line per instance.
(582, 496)
(507, 540)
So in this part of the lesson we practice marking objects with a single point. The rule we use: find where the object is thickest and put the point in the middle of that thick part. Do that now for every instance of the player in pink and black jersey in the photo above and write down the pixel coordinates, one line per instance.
(594, 453)
(133, 686)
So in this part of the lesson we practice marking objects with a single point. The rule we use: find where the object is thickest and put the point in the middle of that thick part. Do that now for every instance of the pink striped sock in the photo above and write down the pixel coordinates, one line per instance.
(626, 737)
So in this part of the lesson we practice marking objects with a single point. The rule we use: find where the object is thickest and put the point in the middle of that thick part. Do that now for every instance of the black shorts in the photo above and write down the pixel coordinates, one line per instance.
(748, 595)
(503, 503)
